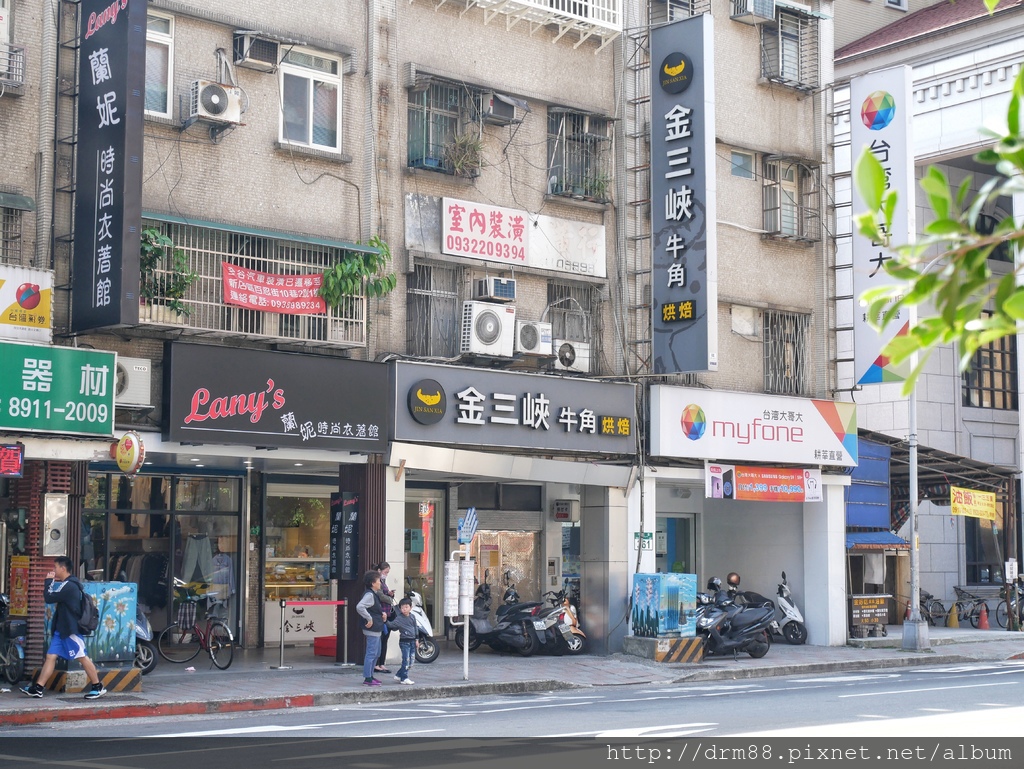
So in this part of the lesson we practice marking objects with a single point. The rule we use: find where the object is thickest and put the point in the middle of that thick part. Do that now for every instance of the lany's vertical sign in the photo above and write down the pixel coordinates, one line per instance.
(108, 191)
(684, 288)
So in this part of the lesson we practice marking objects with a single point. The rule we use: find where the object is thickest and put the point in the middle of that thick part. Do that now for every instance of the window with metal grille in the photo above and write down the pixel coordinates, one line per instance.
(789, 50)
(991, 380)
(433, 317)
(673, 10)
(159, 64)
(438, 114)
(792, 195)
(570, 312)
(10, 235)
(579, 155)
(311, 100)
(785, 352)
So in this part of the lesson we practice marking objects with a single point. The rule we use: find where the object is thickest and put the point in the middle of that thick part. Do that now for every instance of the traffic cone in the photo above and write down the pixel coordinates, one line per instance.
(952, 620)
(983, 618)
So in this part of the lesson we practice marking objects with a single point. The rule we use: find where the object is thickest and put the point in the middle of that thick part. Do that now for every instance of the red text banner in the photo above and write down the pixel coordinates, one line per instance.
(283, 294)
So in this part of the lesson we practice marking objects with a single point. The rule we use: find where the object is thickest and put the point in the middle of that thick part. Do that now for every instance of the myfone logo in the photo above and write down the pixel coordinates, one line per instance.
(878, 110)
(693, 422)
(427, 402)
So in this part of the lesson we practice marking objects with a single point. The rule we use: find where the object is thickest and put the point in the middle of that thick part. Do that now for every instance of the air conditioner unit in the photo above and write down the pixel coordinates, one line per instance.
(215, 103)
(488, 329)
(133, 382)
(255, 52)
(497, 110)
(753, 11)
(533, 338)
(572, 356)
(495, 289)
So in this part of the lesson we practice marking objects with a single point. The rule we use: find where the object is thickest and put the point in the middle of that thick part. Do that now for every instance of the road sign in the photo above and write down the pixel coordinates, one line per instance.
(467, 527)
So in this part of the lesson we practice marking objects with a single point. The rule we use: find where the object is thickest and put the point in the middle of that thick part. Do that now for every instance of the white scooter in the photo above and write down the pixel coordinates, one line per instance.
(145, 649)
(793, 628)
(426, 647)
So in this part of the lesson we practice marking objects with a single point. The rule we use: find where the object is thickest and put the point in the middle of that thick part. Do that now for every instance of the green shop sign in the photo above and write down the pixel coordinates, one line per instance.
(56, 389)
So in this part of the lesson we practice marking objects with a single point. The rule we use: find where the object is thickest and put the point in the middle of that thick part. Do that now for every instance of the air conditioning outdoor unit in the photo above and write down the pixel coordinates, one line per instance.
(533, 337)
(753, 11)
(572, 356)
(495, 289)
(497, 110)
(488, 329)
(215, 103)
(255, 52)
(133, 382)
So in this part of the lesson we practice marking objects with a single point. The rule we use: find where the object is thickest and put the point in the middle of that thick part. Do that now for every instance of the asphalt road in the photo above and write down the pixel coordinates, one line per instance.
(972, 700)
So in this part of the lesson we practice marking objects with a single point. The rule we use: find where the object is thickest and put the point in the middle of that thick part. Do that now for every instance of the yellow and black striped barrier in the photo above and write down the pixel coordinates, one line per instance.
(679, 650)
(119, 680)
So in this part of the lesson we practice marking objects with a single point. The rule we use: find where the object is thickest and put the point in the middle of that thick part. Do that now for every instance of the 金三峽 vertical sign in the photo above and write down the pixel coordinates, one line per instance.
(880, 114)
(684, 290)
(108, 191)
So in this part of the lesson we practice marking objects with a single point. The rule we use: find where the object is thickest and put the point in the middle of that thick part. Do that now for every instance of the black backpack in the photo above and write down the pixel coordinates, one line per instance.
(90, 616)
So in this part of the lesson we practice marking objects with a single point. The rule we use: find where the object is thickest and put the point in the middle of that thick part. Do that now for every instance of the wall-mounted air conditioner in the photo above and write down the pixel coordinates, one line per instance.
(533, 337)
(215, 103)
(133, 383)
(753, 11)
(488, 329)
(498, 109)
(254, 52)
(495, 289)
(572, 356)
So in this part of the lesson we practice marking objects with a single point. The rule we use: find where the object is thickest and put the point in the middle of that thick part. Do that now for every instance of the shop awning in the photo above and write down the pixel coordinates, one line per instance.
(875, 540)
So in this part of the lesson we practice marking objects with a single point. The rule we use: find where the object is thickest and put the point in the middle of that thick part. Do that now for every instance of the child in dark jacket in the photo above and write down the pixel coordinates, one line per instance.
(405, 624)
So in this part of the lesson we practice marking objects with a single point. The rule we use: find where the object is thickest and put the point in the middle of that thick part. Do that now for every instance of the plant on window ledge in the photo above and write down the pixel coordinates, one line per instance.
(348, 277)
(165, 278)
(463, 155)
(596, 187)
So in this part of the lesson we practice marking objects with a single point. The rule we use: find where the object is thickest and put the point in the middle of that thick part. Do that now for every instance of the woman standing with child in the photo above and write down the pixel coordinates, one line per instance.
(387, 600)
(370, 610)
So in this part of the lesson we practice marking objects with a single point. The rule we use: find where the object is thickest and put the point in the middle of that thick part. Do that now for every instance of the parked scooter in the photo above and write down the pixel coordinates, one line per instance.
(145, 650)
(426, 647)
(509, 632)
(793, 628)
(557, 627)
(12, 643)
(729, 628)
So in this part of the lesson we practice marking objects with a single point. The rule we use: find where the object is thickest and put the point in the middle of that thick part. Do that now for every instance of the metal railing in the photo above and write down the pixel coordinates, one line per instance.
(12, 65)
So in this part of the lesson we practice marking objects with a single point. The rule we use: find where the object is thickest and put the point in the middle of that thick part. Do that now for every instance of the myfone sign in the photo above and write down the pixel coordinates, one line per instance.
(475, 407)
(708, 424)
(258, 398)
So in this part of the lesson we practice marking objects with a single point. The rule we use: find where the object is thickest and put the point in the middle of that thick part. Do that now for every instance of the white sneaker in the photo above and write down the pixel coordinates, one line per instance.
(407, 681)
(398, 679)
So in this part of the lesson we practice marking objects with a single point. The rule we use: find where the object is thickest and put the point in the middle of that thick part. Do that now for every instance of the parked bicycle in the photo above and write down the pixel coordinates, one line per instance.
(183, 640)
(1003, 609)
(932, 609)
(969, 606)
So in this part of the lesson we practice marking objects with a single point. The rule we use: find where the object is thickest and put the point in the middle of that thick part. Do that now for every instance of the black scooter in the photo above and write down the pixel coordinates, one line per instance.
(729, 628)
(508, 633)
(12, 643)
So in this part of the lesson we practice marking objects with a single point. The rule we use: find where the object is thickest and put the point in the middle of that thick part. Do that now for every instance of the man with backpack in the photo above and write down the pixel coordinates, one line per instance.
(67, 595)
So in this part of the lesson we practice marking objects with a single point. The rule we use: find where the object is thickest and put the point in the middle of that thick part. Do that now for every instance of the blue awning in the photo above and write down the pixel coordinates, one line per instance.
(875, 540)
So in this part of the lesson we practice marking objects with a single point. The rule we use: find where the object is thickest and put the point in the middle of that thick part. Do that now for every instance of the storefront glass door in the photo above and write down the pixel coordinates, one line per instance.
(423, 506)
(675, 545)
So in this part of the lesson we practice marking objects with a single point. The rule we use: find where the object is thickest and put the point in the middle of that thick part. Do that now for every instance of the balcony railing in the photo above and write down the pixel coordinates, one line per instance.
(588, 18)
(12, 66)
(207, 248)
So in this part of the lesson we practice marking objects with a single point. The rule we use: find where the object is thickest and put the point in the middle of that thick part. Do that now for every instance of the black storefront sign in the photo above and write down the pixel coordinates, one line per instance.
(344, 536)
(273, 399)
(108, 180)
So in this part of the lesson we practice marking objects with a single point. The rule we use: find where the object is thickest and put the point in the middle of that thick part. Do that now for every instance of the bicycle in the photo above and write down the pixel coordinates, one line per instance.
(968, 606)
(1003, 609)
(182, 641)
(932, 609)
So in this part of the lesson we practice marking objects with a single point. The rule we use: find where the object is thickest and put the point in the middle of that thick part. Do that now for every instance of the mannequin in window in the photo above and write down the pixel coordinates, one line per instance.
(222, 582)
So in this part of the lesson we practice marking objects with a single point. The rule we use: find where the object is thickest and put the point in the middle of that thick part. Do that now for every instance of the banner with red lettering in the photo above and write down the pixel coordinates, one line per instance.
(762, 484)
(264, 291)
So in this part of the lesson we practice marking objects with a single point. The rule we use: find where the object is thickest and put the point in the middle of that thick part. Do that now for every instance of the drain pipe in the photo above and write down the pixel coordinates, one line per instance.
(43, 255)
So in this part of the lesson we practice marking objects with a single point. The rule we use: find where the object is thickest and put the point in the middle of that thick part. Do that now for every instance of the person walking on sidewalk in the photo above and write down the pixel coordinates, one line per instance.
(67, 594)
(405, 624)
(387, 600)
(370, 610)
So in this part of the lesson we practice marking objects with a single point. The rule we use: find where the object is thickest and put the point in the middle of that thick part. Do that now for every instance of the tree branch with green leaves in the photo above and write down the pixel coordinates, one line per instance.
(360, 271)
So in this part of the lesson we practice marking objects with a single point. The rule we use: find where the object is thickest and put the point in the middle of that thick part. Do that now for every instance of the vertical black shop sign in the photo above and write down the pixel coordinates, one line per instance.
(344, 536)
(108, 177)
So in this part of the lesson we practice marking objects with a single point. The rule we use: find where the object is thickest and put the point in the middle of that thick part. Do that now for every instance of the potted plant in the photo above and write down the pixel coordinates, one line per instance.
(596, 187)
(165, 279)
(360, 272)
(463, 155)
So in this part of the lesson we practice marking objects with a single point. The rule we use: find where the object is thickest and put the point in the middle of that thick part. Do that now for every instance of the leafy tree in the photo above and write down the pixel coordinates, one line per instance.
(959, 282)
(360, 271)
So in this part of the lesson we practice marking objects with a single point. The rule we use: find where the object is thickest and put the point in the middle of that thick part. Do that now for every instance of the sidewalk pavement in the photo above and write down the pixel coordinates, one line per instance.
(253, 682)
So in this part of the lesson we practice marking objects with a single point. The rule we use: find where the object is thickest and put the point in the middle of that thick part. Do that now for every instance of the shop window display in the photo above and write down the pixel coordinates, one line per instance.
(422, 507)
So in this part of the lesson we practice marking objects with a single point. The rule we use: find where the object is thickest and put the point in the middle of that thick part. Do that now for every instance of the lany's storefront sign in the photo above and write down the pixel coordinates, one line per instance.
(972, 503)
(476, 407)
(761, 484)
(713, 424)
(259, 398)
(25, 298)
(56, 389)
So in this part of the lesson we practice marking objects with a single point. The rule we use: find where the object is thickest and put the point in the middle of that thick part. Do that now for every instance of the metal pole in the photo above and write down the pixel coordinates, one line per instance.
(281, 665)
(915, 630)
(346, 632)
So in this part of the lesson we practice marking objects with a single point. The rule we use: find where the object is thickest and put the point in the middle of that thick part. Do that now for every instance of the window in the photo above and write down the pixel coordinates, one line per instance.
(159, 64)
(743, 165)
(789, 50)
(899, 5)
(785, 352)
(570, 309)
(579, 156)
(982, 543)
(438, 114)
(311, 100)
(991, 380)
(791, 199)
(434, 312)
(10, 236)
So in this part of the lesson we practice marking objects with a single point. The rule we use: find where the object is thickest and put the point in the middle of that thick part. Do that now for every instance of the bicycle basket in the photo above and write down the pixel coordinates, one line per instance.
(186, 614)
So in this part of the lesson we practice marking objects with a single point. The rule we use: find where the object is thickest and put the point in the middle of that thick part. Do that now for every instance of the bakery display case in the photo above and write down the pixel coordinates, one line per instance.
(296, 579)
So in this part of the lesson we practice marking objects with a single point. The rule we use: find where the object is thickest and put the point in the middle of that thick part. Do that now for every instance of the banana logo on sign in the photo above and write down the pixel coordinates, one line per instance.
(430, 400)
(427, 402)
(673, 71)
